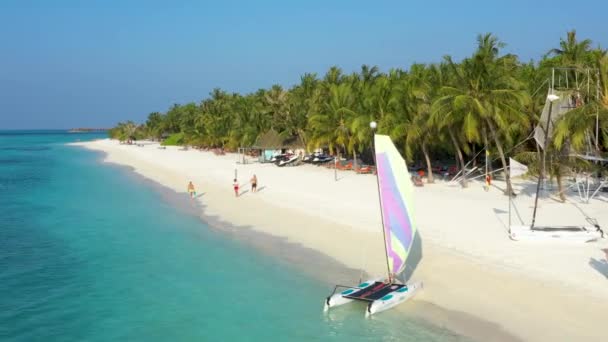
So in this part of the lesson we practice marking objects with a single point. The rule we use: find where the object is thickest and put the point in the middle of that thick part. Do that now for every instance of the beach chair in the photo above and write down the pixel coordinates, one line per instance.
(365, 169)
(417, 181)
(347, 166)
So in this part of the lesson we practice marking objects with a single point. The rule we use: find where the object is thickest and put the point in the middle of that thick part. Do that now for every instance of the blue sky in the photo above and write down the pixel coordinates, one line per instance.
(93, 63)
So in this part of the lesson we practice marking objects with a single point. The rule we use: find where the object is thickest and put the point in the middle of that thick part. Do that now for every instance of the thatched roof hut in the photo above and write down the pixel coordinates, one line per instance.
(271, 140)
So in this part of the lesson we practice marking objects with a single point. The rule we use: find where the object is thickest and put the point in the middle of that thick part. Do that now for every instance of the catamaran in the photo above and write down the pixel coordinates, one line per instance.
(561, 101)
(395, 192)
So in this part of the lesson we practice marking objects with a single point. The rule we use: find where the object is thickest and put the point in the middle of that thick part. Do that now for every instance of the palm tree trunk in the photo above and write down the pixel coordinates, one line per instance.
(303, 141)
(474, 156)
(428, 163)
(560, 186)
(487, 153)
(460, 157)
(505, 167)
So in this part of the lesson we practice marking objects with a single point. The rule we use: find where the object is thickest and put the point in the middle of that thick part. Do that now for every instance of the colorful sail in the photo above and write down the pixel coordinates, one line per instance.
(396, 192)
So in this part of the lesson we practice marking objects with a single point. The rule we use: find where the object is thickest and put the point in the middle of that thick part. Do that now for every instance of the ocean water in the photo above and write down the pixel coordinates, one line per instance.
(89, 252)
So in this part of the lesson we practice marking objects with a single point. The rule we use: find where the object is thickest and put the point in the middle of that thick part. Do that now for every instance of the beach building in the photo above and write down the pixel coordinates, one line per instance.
(271, 143)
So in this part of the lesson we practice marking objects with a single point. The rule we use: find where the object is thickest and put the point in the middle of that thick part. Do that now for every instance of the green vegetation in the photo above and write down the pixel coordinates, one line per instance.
(126, 131)
(175, 139)
(431, 111)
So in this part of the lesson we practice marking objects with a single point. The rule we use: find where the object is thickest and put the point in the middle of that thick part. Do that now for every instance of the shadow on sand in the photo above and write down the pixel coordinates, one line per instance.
(413, 259)
(498, 213)
(600, 266)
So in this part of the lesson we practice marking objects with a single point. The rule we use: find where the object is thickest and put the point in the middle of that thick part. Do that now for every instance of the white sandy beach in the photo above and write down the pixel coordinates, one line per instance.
(537, 292)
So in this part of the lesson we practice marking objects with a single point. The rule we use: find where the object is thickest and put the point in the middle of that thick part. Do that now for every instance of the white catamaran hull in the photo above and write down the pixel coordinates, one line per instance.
(393, 299)
(338, 299)
(395, 194)
(549, 234)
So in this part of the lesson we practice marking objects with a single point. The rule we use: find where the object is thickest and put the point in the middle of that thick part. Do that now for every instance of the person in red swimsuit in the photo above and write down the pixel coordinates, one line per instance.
(235, 185)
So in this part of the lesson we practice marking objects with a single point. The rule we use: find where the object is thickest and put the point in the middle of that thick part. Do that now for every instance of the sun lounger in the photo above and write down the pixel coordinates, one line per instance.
(348, 166)
(365, 169)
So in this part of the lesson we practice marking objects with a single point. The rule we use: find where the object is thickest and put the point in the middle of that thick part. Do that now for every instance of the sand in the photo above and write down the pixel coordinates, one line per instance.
(530, 291)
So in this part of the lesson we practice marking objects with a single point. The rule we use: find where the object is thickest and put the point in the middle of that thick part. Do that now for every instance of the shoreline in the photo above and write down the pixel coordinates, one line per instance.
(459, 283)
(307, 260)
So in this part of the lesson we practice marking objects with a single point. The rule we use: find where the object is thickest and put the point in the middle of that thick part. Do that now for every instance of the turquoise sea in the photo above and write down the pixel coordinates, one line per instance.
(91, 252)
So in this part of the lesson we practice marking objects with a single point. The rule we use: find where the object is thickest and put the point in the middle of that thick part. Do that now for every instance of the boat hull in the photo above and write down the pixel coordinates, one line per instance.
(338, 299)
(555, 234)
(393, 299)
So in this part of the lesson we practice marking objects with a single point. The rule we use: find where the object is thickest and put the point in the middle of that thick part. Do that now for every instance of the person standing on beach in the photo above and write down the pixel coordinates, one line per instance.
(191, 190)
(235, 185)
(254, 183)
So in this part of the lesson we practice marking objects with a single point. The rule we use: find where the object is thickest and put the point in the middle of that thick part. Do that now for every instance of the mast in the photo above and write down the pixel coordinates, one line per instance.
(597, 114)
(372, 125)
(541, 176)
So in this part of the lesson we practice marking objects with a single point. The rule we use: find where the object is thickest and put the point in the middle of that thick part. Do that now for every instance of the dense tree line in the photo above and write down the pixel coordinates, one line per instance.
(489, 99)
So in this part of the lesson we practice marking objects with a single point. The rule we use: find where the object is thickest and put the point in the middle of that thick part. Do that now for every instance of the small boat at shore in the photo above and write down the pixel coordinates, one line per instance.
(317, 158)
(289, 160)
(395, 192)
(576, 234)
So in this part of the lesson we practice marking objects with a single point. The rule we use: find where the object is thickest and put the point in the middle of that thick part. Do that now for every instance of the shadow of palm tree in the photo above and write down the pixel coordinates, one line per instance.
(600, 266)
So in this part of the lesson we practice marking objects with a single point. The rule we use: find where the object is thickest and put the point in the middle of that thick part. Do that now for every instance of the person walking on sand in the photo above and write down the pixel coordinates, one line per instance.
(191, 190)
(254, 183)
(235, 185)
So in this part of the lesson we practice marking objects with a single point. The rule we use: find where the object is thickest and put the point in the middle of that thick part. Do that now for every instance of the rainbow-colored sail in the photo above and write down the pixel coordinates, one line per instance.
(396, 192)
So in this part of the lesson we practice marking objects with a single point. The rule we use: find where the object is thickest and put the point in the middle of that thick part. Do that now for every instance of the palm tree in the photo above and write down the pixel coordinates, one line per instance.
(487, 94)
(602, 65)
(124, 131)
(576, 128)
(333, 76)
(448, 116)
(154, 125)
(369, 74)
(331, 125)
(571, 52)
(303, 102)
(276, 102)
(487, 99)
(418, 130)
(375, 100)
(187, 119)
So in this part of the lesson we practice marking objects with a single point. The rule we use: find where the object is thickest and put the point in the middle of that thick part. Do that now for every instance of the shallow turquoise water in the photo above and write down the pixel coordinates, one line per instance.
(90, 252)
